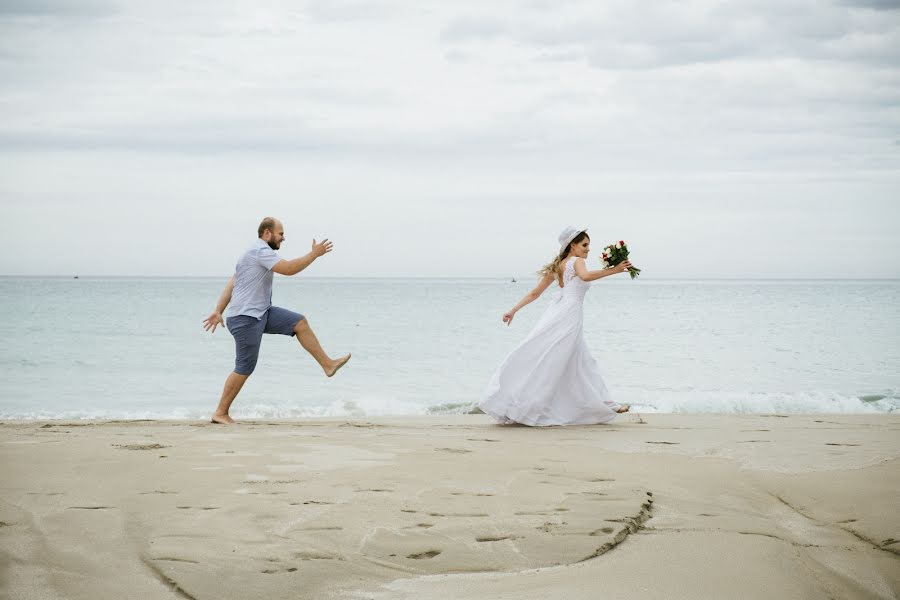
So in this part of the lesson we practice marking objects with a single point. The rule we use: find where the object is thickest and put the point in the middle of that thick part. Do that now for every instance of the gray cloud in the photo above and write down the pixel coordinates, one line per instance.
(873, 4)
(630, 36)
(343, 11)
(472, 28)
(57, 8)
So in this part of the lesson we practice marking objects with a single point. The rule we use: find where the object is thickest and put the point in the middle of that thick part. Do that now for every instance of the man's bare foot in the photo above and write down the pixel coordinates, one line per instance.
(624, 408)
(222, 420)
(336, 366)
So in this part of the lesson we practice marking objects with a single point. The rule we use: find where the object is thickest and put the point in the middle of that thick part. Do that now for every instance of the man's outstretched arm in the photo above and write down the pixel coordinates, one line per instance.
(294, 266)
(215, 319)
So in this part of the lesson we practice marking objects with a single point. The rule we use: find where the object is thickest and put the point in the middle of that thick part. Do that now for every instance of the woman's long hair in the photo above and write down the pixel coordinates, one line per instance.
(552, 267)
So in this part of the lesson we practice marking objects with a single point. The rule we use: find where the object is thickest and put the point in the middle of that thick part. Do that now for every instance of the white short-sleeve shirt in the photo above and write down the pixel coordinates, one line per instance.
(252, 293)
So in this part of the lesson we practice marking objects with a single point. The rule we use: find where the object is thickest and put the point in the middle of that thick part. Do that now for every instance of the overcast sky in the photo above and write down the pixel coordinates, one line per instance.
(740, 139)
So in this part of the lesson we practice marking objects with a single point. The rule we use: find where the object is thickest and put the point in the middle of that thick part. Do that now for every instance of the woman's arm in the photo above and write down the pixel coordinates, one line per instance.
(530, 297)
(585, 275)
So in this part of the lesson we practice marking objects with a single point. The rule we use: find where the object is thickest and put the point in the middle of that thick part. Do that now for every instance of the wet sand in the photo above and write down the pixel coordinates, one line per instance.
(668, 506)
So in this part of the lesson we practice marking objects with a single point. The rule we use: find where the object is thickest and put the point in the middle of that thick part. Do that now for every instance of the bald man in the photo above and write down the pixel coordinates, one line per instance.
(249, 291)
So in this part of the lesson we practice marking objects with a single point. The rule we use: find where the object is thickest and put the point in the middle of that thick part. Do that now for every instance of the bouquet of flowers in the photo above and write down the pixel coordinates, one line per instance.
(615, 254)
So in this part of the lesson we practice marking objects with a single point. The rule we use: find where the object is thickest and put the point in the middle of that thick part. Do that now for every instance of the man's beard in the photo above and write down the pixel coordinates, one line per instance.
(273, 245)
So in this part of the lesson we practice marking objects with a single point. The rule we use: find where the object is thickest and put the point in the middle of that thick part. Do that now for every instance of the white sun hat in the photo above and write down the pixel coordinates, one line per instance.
(568, 234)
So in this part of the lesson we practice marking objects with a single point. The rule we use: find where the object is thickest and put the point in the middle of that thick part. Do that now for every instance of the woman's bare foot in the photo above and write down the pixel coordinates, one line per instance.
(329, 372)
(624, 408)
(222, 420)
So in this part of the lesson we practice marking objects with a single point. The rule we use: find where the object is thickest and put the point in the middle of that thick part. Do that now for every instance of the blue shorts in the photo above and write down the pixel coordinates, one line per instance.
(248, 332)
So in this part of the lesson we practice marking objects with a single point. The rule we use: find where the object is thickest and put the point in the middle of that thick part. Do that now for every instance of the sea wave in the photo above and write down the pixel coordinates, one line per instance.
(730, 402)
(646, 401)
(365, 406)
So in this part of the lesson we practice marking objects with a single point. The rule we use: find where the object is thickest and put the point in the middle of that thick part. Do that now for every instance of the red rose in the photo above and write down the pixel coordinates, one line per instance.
(622, 242)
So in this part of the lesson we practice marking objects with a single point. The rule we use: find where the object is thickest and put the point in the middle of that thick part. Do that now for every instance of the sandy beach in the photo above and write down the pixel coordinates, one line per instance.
(667, 506)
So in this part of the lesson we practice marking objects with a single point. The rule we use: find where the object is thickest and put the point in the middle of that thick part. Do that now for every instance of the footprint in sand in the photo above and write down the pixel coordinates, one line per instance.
(422, 555)
(315, 556)
(139, 446)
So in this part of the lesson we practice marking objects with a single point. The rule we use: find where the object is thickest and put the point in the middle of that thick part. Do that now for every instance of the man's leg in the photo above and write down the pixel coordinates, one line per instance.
(233, 385)
(247, 333)
(311, 344)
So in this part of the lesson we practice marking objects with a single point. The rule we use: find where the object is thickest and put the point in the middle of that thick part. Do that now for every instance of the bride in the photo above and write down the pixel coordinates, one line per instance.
(551, 377)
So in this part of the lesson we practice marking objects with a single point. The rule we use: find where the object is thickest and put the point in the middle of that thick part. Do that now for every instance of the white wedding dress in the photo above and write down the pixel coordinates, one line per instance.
(551, 377)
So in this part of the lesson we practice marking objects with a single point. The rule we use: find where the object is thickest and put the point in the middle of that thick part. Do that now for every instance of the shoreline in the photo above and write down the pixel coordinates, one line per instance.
(679, 506)
(636, 411)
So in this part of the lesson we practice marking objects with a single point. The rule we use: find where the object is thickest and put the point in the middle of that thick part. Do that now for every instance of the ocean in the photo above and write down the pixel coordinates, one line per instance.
(135, 348)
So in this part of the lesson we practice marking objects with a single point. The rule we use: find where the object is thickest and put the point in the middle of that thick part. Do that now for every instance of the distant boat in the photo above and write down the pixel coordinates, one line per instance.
(76, 277)
(513, 280)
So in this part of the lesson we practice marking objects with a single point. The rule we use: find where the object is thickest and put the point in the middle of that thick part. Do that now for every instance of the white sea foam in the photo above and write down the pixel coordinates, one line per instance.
(706, 402)
(364, 406)
(758, 403)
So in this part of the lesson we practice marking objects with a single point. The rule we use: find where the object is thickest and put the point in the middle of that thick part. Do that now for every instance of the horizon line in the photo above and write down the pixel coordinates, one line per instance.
(516, 278)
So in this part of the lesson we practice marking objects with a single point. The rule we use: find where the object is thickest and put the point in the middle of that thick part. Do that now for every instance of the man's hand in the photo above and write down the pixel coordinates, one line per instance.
(322, 248)
(508, 317)
(212, 321)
